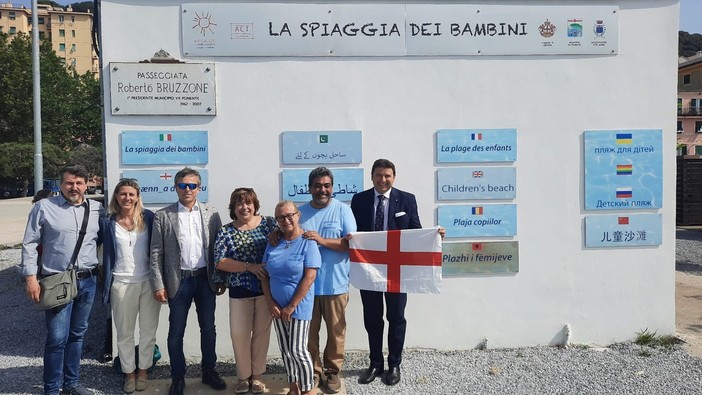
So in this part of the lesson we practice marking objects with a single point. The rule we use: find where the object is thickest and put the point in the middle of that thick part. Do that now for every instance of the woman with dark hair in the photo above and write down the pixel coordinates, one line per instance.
(126, 239)
(239, 251)
(42, 194)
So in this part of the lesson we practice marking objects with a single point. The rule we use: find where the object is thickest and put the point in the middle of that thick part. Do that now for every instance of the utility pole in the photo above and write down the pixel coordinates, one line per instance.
(38, 157)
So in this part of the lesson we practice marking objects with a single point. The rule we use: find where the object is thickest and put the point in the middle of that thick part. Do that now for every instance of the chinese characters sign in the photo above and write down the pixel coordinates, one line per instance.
(624, 230)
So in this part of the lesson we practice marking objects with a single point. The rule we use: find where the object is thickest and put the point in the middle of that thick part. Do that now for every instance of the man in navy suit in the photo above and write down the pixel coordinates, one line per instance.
(384, 208)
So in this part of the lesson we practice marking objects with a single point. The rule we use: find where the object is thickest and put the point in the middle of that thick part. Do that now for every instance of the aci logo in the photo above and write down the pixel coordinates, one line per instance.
(204, 22)
(242, 31)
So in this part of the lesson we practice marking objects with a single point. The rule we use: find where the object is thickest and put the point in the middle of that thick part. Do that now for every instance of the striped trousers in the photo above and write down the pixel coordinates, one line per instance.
(292, 340)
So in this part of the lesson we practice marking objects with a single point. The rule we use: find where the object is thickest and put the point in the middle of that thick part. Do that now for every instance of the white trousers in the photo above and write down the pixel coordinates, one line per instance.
(130, 300)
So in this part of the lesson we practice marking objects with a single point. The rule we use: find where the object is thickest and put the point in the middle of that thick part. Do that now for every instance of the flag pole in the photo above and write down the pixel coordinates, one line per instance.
(38, 158)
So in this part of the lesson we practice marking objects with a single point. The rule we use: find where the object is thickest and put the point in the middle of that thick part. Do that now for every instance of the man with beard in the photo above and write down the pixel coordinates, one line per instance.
(55, 224)
(327, 221)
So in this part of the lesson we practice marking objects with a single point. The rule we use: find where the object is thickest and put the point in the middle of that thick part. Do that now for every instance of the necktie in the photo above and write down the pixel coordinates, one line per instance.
(379, 214)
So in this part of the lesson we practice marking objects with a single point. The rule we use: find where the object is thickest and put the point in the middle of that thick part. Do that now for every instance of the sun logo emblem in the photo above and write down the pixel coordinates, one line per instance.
(204, 23)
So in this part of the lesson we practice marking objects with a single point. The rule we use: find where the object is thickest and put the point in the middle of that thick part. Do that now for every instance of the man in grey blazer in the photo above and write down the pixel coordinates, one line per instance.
(182, 262)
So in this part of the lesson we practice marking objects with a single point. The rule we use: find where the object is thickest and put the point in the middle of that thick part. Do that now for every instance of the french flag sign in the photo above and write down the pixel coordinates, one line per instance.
(406, 261)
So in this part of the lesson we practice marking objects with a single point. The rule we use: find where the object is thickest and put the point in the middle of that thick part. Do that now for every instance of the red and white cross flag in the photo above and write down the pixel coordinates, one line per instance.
(396, 261)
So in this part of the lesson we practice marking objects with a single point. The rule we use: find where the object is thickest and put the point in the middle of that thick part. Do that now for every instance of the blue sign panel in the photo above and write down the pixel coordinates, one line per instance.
(461, 183)
(163, 147)
(479, 220)
(623, 230)
(321, 147)
(476, 145)
(157, 186)
(623, 169)
(347, 182)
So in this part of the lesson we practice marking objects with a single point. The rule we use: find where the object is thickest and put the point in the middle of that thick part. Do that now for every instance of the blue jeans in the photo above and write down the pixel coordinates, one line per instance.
(198, 289)
(65, 327)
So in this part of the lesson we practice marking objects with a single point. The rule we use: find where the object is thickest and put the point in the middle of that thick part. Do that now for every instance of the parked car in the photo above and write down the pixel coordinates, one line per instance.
(8, 191)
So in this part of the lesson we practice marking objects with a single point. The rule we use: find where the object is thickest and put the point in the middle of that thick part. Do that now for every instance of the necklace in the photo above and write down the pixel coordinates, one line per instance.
(127, 225)
(288, 242)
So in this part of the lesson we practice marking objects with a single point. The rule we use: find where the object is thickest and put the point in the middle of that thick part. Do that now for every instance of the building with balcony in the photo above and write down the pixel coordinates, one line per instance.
(68, 31)
(690, 104)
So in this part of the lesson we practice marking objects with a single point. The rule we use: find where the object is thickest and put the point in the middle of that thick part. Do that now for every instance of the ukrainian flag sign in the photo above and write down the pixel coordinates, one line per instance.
(623, 169)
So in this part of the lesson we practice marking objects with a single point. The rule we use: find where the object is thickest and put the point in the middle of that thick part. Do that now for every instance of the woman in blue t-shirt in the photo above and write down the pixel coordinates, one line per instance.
(289, 289)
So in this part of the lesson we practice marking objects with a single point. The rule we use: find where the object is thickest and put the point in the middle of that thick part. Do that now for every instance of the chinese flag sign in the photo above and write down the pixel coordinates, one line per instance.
(396, 261)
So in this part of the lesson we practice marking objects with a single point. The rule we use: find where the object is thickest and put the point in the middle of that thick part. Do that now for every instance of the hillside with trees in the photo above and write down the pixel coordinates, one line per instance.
(689, 44)
(83, 6)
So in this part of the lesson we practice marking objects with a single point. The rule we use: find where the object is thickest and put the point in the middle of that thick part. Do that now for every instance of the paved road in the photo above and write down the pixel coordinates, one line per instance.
(14, 219)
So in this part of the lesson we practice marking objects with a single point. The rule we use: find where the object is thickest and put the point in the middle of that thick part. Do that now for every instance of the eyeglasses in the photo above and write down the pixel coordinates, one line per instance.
(184, 185)
(320, 186)
(289, 217)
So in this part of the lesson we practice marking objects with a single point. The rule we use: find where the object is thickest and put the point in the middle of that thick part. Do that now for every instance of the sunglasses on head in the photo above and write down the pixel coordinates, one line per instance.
(184, 185)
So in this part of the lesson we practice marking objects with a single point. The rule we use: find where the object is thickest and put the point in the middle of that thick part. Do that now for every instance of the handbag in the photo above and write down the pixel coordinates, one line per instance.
(61, 288)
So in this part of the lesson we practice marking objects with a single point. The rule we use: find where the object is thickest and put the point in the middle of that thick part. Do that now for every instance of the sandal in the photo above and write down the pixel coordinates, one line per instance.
(257, 387)
(294, 390)
(242, 387)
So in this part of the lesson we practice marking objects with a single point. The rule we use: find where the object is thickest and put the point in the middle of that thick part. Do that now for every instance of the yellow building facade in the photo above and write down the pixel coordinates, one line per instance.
(68, 31)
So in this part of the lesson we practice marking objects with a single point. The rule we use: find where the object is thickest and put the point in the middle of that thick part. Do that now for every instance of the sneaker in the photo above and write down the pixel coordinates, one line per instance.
(77, 390)
(129, 385)
(242, 387)
(333, 382)
(142, 383)
(257, 387)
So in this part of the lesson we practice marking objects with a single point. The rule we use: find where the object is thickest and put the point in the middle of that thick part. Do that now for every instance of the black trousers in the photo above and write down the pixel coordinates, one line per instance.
(373, 321)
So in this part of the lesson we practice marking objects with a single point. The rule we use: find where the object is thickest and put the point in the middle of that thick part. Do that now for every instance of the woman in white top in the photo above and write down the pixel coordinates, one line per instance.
(126, 238)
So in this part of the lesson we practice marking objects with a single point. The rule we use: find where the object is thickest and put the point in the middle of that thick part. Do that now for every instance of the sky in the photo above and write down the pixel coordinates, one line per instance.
(690, 13)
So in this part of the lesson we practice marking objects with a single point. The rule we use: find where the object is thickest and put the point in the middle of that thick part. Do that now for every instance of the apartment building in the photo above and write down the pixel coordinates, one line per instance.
(690, 104)
(68, 31)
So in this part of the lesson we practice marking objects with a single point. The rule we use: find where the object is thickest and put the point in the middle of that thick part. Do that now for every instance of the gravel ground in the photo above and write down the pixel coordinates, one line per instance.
(623, 368)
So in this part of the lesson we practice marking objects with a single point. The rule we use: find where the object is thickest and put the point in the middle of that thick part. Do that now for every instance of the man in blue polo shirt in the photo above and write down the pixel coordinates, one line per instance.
(327, 221)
